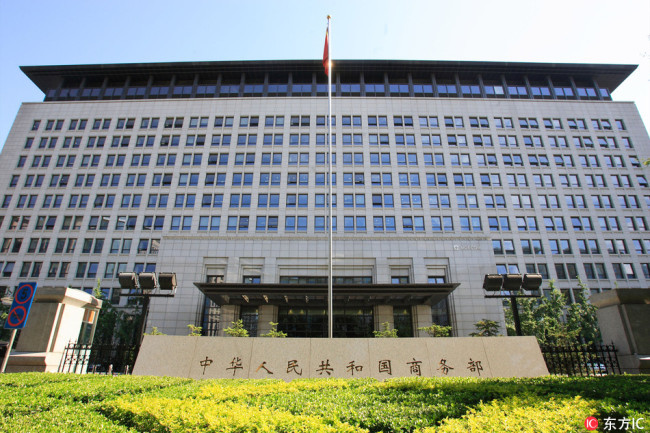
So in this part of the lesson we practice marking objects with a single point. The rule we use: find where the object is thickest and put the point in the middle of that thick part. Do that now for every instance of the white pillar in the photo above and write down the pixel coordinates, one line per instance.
(265, 315)
(229, 314)
(383, 314)
(421, 319)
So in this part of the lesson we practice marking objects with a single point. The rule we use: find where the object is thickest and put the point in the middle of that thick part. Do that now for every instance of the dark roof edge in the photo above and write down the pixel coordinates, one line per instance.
(613, 74)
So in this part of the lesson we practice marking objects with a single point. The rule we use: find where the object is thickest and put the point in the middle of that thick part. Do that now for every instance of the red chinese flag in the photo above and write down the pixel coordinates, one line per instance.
(326, 52)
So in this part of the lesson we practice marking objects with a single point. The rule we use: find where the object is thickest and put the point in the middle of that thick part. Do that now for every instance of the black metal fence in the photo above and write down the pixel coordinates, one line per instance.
(581, 360)
(98, 358)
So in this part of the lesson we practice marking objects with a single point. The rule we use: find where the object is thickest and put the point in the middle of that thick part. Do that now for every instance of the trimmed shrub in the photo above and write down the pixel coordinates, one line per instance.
(74, 403)
(529, 414)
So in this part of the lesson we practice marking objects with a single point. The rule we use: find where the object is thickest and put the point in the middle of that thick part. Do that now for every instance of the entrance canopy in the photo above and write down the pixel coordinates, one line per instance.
(316, 294)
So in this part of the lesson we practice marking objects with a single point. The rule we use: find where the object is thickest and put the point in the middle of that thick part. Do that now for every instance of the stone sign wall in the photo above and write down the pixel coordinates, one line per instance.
(380, 358)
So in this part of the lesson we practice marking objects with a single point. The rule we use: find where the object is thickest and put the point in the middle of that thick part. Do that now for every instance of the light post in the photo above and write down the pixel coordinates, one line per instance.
(513, 286)
(146, 286)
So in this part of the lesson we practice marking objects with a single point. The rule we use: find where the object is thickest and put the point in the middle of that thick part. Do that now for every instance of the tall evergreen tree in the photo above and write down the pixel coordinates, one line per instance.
(582, 319)
(550, 320)
(114, 325)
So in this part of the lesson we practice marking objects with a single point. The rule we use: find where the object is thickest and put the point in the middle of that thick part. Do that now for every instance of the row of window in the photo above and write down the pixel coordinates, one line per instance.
(303, 158)
(528, 246)
(438, 223)
(58, 269)
(349, 179)
(346, 121)
(569, 271)
(550, 201)
(385, 179)
(231, 86)
(563, 246)
(563, 271)
(89, 246)
(523, 201)
(306, 139)
(320, 158)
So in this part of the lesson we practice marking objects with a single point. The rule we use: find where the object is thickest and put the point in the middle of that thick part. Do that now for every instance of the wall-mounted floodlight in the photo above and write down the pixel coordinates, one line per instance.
(532, 282)
(128, 280)
(147, 281)
(492, 282)
(512, 282)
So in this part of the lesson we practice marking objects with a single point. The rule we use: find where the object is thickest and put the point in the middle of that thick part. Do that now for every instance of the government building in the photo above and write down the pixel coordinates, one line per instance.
(443, 172)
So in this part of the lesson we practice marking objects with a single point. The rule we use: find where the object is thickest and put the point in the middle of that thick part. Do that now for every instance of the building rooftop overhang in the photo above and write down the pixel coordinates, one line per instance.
(316, 294)
(607, 75)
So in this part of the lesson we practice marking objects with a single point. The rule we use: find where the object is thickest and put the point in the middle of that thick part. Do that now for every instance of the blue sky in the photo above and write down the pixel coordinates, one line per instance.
(46, 32)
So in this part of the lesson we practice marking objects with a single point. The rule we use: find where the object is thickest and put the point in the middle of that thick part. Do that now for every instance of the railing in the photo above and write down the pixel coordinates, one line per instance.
(581, 360)
(98, 358)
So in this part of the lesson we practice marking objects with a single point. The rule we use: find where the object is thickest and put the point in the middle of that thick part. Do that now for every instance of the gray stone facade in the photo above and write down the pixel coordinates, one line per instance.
(544, 190)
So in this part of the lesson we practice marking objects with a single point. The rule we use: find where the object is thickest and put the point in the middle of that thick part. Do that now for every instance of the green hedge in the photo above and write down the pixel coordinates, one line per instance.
(72, 403)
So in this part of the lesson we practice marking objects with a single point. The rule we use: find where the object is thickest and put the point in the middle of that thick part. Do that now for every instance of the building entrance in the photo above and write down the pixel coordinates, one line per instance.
(312, 322)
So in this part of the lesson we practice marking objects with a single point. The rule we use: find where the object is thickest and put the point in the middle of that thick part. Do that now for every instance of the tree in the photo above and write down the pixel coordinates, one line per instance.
(386, 332)
(526, 307)
(436, 330)
(274, 333)
(551, 322)
(237, 329)
(485, 328)
(114, 325)
(155, 331)
(195, 331)
(581, 318)
(550, 316)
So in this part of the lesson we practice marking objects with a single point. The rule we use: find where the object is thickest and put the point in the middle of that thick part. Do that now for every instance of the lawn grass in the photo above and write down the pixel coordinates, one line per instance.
(41, 402)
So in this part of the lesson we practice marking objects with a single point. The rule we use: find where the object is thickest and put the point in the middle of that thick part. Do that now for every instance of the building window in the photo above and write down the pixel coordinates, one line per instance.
(249, 317)
(403, 321)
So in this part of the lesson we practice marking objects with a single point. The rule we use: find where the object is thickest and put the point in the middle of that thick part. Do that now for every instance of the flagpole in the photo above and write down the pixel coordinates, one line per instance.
(330, 284)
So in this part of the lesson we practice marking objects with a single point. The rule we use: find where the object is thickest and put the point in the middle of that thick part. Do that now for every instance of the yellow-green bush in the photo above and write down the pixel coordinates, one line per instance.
(73, 418)
(172, 415)
(521, 414)
(225, 390)
(130, 404)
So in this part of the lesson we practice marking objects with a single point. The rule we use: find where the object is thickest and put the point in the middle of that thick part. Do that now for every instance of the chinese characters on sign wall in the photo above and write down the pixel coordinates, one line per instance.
(301, 358)
(325, 368)
(206, 363)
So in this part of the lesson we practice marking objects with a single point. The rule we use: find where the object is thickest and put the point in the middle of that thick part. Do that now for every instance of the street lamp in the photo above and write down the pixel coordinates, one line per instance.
(144, 286)
(513, 286)
(167, 281)
(148, 282)
(128, 280)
